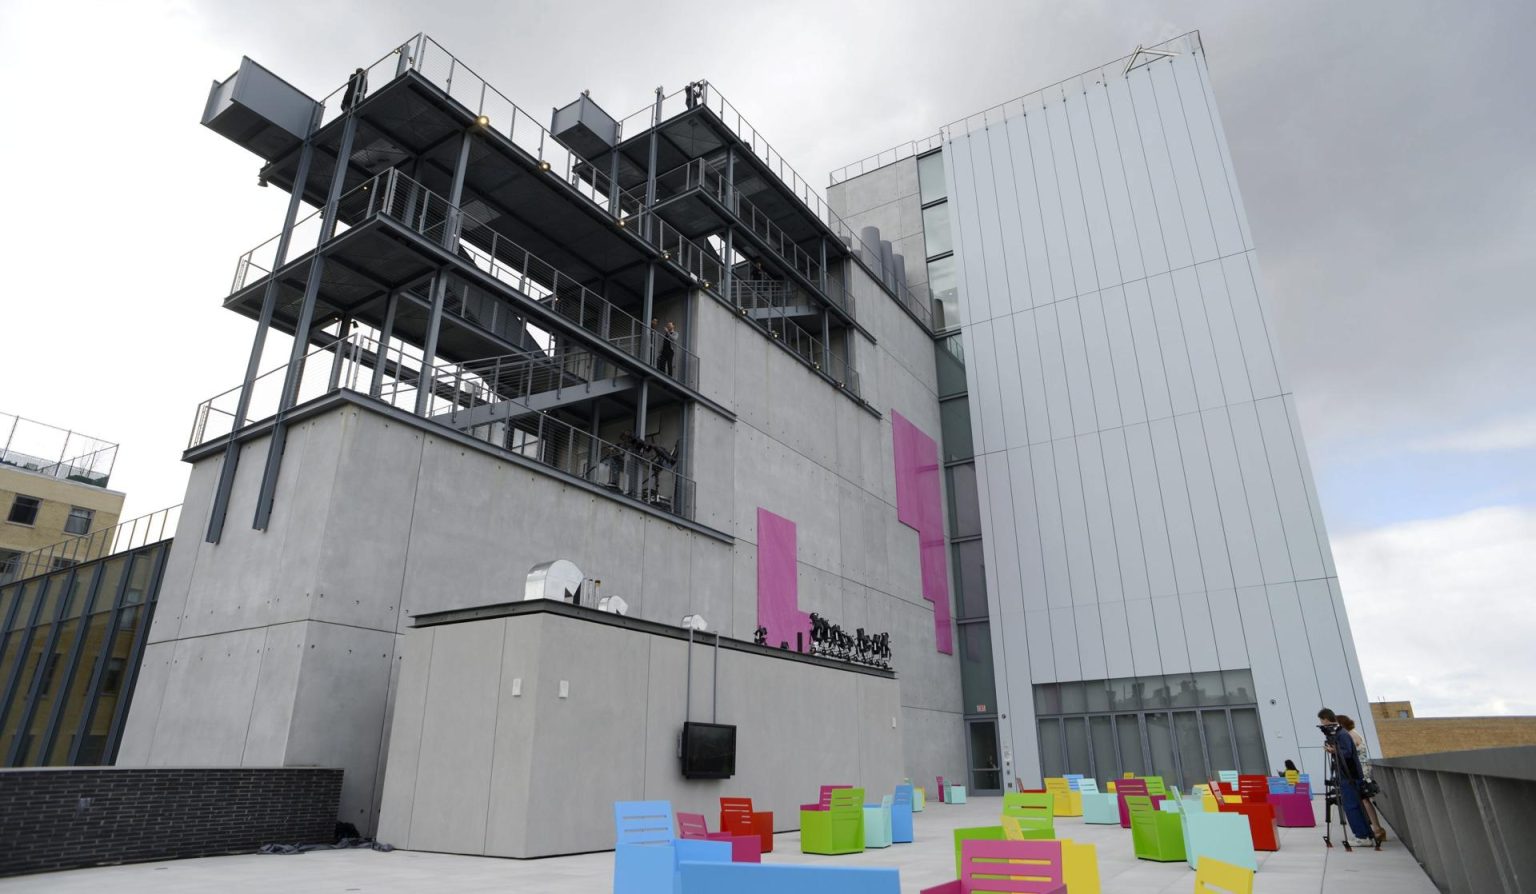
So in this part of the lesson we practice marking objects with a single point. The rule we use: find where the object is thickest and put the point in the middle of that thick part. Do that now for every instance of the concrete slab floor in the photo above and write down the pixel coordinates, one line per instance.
(1302, 864)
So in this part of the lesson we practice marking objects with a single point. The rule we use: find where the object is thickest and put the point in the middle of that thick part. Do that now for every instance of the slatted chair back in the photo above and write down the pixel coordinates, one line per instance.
(1133, 787)
(1253, 788)
(1010, 867)
(1279, 786)
(1088, 786)
(1227, 776)
(844, 798)
(1304, 788)
(1058, 786)
(903, 796)
(692, 825)
(1074, 781)
(1215, 877)
(1139, 804)
(1156, 786)
(1029, 805)
(825, 800)
(643, 822)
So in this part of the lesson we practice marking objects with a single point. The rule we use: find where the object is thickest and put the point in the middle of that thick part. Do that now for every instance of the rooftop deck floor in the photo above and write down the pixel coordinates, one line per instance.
(1302, 864)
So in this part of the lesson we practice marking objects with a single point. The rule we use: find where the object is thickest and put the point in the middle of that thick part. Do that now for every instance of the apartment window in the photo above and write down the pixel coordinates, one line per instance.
(79, 521)
(10, 563)
(1402, 715)
(24, 510)
(955, 422)
(936, 229)
(930, 177)
(60, 563)
(964, 504)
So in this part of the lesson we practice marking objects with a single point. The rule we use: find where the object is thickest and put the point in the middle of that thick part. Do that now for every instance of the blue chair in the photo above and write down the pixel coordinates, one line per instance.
(1099, 808)
(902, 807)
(954, 794)
(877, 823)
(1073, 781)
(647, 851)
(1221, 836)
(776, 878)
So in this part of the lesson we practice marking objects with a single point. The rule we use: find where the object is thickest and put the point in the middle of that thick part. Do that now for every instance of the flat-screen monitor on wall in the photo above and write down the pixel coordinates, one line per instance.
(709, 751)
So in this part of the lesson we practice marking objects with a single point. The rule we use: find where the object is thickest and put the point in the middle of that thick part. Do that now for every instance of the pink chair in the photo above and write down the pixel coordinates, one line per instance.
(744, 848)
(940, 789)
(1293, 810)
(826, 798)
(1138, 787)
(1015, 867)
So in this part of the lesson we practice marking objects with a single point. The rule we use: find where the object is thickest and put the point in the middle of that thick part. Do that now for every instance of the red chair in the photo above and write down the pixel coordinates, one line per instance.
(738, 818)
(940, 789)
(1253, 788)
(1126, 787)
(1261, 823)
(1015, 867)
(744, 848)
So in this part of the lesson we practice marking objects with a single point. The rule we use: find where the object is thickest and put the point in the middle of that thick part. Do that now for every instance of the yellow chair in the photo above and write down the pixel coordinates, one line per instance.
(1293, 777)
(1066, 802)
(1127, 775)
(1216, 877)
(1111, 786)
(1208, 801)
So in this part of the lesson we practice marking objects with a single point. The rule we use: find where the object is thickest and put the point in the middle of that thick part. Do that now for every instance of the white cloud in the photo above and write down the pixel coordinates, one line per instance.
(1509, 433)
(1441, 610)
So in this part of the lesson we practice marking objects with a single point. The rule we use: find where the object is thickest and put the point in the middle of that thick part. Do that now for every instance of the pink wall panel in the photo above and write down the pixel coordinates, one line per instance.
(778, 581)
(920, 506)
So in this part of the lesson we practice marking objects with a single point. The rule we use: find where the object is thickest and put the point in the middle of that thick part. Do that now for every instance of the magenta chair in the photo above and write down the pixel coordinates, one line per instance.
(744, 848)
(1015, 867)
(1124, 787)
(1293, 810)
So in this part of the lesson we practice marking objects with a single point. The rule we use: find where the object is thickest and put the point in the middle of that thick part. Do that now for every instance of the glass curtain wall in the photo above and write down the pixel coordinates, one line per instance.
(70, 643)
(1183, 728)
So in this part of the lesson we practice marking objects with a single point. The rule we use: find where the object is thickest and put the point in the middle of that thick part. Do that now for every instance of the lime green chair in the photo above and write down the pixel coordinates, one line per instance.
(837, 828)
(1035, 812)
(976, 833)
(1155, 834)
(1155, 786)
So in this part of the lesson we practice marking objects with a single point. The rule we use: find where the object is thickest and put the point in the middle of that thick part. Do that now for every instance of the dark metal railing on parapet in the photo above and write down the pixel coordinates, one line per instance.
(121, 537)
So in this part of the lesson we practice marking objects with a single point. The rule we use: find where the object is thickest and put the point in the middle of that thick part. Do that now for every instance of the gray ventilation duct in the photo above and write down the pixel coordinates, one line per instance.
(887, 263)
(868, 250)
(899, 264)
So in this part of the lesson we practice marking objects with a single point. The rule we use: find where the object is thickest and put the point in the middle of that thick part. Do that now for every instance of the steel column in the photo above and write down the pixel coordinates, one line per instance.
(301, 330)
(381, 350)
(103, 657)
(70, 664)
(424, 382)
(135, 657)
(456, 192)
(252, 366)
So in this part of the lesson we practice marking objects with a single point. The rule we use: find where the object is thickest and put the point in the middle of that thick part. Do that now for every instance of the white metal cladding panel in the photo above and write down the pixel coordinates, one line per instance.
(1296, 658)
(1008, 223)
(1053, 367)
(1074, 518)
(1263, 641)
(1090, 642)
(1227, 623)
(1127, 526)
(1048, 192)
(1349, 653)
(1064, 642)
(1149, 351)
(1295, 509)
(1210, 526)
(1053, 534)
(1090, 180)
(1144, 641)
(1237, 525)
(1118, 654)
(1149, 508)
(975, 299)
(986, 399)
(1026, 187)
(1177, 514)
(1222, 325)
(1116, 192)
(1122, 352)
(1226, 154)
(1197, 338)
(1074, 218)
(1186, 175)
(1252, 328)
(1259, 488)
(1199, 632)
(1133, 166)
(1002, 542)
(1029, 552)
(1220, 209)
(1031, 378)
(1171, 338)
(1101, 524)
(1165, 191)
(1329, 661)
(1074, 353)
(1170, 634)
(1042, 653)
(1101, 366)
(1007, 356)
(994, 251)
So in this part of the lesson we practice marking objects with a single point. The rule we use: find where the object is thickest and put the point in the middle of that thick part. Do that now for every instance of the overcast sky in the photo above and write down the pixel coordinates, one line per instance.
(1384, 151)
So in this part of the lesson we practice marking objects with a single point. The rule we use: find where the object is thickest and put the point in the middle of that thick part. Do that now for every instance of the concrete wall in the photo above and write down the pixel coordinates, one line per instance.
(486, 757)
(1146, 498)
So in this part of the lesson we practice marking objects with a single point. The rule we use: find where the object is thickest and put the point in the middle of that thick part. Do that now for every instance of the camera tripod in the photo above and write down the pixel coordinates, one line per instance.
(1333, 797)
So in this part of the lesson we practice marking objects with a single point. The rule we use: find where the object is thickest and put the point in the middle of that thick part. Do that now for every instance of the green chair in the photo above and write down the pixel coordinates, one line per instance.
(976, 833)
(1155, 835)
(837, 828)
(1035, 812)
(1155, 786)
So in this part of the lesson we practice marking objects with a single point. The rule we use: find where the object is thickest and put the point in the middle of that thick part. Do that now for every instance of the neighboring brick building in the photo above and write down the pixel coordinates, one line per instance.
(1403, 734)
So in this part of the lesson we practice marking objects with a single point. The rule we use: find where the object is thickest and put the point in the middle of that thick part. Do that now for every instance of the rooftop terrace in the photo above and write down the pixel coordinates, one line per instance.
(1302, 864)
(55, 452)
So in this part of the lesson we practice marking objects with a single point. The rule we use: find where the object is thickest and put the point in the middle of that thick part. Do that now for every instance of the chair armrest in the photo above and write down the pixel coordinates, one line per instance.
(954, 888)
(702, 851)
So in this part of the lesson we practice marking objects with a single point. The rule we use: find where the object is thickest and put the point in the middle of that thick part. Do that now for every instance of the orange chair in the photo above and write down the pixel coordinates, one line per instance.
(738, 818)
(1261, 822)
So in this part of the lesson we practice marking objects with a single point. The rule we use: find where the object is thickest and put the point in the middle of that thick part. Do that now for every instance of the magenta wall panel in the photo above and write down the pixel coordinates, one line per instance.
(778, 581)
(920, 506)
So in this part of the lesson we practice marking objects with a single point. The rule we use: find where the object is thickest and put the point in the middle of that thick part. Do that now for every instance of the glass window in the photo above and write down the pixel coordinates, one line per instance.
(950, 363)
(1124, 693)
(946, 297)
(1155, 692)
(1076, 729)
(1186, 732)
(1239, 686)
(10, 563)
(964, 503)
(1250, 741)
(1097, 693)
(1047, 699)
(1160, 740)
(1208, 689)
(930, 177)
(986, 770)
(1050, 748)
(1102, 737)
(1128, 731)
(24, 510)
(936, 233)
(955, 423)
(1218, 741)
(976, 680)
(79, 521)
(1072, 699)
(970, 580)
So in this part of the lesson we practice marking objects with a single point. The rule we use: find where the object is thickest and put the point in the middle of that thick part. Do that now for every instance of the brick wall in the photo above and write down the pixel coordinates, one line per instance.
(72, 817)
(1432, 735)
